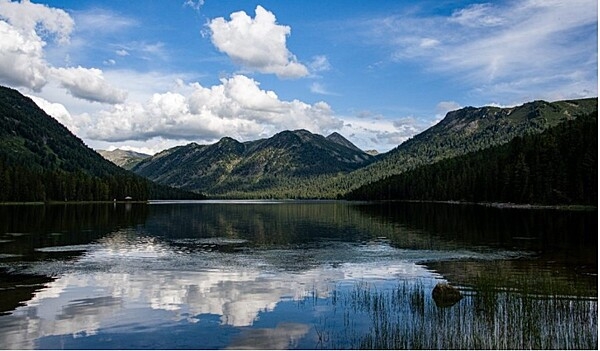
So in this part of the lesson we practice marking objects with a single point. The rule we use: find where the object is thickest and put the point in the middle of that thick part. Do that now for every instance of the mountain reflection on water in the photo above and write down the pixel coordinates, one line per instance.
(252, 274)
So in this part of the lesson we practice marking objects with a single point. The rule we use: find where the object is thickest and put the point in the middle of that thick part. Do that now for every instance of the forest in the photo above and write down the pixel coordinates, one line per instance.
(23, 184)
(41, 160)
(557, 166)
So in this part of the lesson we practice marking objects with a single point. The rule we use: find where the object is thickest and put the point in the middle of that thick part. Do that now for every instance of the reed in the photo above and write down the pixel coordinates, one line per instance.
(488, 317)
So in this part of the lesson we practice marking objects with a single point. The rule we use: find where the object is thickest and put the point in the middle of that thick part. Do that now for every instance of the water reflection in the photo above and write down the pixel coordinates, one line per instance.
(81, 304)
(238, 275)
(545, 231)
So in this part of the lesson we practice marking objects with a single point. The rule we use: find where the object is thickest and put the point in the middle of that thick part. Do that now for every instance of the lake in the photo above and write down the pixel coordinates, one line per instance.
(286, 274)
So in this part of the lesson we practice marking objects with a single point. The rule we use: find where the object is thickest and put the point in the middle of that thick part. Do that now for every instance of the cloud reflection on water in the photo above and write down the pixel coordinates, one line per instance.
(122, 283)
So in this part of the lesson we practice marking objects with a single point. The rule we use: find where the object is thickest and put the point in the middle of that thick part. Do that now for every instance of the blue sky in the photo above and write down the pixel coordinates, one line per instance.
(148, 75)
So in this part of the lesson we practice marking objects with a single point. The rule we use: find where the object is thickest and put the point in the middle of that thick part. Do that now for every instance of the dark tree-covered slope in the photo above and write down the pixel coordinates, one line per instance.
(41, 160)
(299, 164)
(230, 168)
(470, 129)
(460, 132)
(557, 166)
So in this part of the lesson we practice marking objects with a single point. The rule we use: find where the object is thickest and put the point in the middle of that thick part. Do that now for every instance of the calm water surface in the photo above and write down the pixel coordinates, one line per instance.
(276, 275)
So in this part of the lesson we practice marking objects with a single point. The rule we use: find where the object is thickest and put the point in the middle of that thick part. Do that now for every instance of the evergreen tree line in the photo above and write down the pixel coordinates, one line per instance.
(41, 160)
(20, 183)
(558, 166)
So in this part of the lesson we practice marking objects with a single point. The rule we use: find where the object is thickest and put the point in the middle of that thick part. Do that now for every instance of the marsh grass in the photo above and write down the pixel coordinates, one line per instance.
(488, 317)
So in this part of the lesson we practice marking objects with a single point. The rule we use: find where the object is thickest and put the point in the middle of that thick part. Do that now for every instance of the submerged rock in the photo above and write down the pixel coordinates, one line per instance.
(445, 295)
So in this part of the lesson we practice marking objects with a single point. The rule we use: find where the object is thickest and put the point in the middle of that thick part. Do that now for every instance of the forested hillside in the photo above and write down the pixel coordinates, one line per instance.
(300, 164)
(460, 132)
(41, 160)
(470, 129)
(558, 166)
(230, 168)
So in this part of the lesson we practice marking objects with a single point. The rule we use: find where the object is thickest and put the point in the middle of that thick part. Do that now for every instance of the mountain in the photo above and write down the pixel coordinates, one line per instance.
(123, 158)
(462, 131)
(339, 139)
(233, 168)
(557, 166)
(41, 160)
(299, 164)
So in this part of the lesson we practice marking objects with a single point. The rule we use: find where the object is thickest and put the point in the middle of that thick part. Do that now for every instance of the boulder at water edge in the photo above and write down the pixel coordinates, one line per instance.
(445, 295)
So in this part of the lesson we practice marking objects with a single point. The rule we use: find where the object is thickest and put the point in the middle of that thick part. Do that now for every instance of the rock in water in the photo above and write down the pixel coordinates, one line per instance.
(445, 295)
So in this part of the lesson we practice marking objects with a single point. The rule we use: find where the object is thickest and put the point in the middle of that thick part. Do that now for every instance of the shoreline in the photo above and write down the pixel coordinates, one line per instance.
(38, 203)
(499, 205)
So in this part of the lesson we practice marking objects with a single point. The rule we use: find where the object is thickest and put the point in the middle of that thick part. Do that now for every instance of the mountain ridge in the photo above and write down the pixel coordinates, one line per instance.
(461, 131)
(470, 129)
(290, 164)
(338, 138)
(558, 166)
(232, 165)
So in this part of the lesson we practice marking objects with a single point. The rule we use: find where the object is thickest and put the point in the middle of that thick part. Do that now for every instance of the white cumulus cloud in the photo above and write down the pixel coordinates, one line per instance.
(22, 60)
(88, 84)
(257, 43)
(237, 107)
(29, 17)
(371, 131)
(24, 30)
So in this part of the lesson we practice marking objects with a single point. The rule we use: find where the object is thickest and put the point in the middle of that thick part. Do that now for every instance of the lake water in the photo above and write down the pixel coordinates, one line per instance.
(277, 275)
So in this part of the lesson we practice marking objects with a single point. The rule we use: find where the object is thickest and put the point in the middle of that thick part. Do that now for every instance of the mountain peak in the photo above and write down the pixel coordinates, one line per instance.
(339, 139)
(288, 138)
(123, 158)
(227, 139)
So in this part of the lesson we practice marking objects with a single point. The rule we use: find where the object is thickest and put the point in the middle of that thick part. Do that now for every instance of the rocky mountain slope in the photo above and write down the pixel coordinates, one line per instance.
(232, 166)
(123, 158)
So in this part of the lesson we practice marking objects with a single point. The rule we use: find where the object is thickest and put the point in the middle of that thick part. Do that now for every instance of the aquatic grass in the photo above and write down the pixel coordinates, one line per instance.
(406, 317)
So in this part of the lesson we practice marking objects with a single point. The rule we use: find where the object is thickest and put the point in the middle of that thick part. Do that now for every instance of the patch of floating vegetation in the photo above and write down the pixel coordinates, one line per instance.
(66, 248)
(3, 255)
(16, 234)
